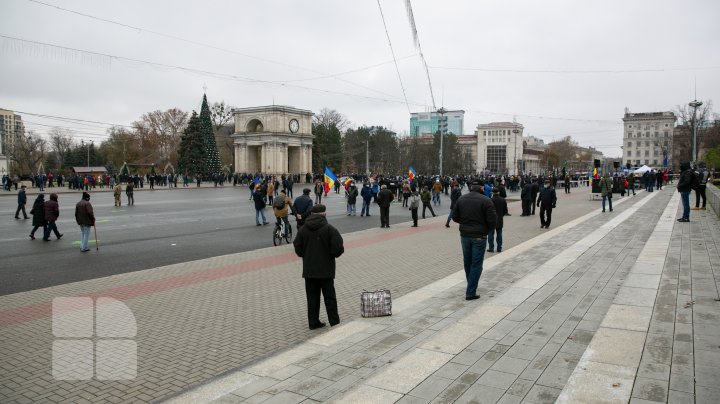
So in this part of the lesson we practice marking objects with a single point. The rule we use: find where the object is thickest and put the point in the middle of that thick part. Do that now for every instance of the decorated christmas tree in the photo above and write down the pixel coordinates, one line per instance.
(212, 157)
(191, 153)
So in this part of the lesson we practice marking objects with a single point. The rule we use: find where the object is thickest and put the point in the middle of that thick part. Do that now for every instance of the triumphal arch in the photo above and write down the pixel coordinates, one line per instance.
(275, 139)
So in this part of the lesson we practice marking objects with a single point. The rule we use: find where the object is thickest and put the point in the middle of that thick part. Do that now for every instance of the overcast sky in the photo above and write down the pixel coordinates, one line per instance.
(565, 67)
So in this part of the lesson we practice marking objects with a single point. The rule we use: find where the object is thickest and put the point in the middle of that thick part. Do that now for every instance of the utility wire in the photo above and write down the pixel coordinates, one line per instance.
(210, 46)
(656, 70)
(392, 51)
(416, 41)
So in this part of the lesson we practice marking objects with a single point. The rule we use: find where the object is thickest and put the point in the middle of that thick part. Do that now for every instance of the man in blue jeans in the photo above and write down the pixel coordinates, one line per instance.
(85, 217)
(476, 215)
(684, 186)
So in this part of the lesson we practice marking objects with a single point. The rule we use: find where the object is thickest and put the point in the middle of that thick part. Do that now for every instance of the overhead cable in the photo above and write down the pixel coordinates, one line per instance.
(392, 51)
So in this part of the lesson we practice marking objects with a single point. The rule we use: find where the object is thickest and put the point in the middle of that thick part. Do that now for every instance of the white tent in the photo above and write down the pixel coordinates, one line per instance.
(642, 170)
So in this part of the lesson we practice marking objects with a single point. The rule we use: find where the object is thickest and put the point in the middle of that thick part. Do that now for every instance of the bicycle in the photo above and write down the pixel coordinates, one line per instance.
(279, 233)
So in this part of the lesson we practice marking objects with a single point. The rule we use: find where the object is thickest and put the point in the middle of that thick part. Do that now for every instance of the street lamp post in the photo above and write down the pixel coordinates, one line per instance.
(82, 142)
(442, 112)
(695, 104)
(515, 131)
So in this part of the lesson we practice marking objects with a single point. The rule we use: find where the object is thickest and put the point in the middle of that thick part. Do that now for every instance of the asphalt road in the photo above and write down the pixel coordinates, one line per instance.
(162, 228)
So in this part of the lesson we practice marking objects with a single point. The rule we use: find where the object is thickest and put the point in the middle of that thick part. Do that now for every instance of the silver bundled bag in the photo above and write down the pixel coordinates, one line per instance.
(376, 304)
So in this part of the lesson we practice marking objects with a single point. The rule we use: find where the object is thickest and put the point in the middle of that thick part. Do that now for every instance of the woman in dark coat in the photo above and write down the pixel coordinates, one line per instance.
(38, 212)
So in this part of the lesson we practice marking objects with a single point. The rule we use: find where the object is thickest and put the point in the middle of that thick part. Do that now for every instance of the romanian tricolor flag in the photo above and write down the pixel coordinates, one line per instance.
(411, 174)
(347, 182)
(330, 179)
(594, 176)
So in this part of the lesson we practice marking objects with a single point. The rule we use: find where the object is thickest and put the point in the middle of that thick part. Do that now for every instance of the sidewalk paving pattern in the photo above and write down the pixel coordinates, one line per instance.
(550, 312)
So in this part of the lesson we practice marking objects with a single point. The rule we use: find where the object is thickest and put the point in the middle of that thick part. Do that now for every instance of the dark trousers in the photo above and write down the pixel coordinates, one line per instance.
(21, 207)
(699, 193)
(313, 288)
(32, 232)
(567, 188)
(631, 187)
(414, 214)
(51, 227)
(532, 203)
(526, 207)
(545, 210)
(428, 206)
(384, 216)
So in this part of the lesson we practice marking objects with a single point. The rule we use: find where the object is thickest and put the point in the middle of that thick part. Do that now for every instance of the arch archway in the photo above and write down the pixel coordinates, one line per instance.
(255, 125)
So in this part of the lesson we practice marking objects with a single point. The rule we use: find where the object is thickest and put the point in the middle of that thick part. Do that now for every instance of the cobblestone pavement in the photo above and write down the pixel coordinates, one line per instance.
(199, 319)
(606, 308)
(239, 320)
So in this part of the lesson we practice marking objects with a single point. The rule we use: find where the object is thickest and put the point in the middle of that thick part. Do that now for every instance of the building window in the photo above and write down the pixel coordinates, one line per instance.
(666, 134)
(647, 153)
(647, 162)
(629, 134)
(647, 143)
(637, 153)
(655, 162)
(666, 125)
(629, 153)
(629, 144)
(497, 159)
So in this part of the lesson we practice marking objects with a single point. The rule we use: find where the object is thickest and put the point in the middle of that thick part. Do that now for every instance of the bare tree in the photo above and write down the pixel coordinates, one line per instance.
(27, 153)
(159, 134)
(683, 134)
(329, 117)
(60, 142)
(222, 117)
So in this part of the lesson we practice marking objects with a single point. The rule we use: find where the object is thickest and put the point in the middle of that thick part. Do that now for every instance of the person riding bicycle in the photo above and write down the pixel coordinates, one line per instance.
(281, 206)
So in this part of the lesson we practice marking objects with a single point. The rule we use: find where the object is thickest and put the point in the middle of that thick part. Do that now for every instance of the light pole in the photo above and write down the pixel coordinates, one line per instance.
(442, 112)
(82, 142)
(695, 104)
(515, 131)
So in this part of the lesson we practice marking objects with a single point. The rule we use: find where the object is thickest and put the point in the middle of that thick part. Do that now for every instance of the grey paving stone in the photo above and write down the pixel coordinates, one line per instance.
(655, 371)
(500, 380)
(509, 399)
(680, 397)
(542, 395)
(480, 394)
(285, 397)
(431, 387)
(527, 352)
(650, 389)
(707, 395)
(511, 365)
(408, 399)
(707, 376)
(520, 387)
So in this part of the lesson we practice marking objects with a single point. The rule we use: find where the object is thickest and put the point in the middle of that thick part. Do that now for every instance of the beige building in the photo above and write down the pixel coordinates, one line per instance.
(647, 138)
(11, 126)
(275, 139)
(499, 147)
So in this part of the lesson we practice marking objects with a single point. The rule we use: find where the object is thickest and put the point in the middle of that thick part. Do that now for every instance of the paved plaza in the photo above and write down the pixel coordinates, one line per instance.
(602, 307)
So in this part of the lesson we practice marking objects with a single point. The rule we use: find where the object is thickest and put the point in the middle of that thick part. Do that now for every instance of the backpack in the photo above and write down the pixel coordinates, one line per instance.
(279, 203)
(695, 180)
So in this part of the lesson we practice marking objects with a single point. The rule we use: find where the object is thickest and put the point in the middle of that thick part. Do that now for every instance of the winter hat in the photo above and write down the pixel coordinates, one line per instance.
(86, 196)
(319, 208)
(306, 191)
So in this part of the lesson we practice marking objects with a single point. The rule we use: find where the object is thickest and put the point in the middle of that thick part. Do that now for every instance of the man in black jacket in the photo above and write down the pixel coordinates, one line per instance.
(501, 210)
(526, 198)
(546, 201)
(319, 244)
(476, 214)
(455, 194)
(384, 198)
(533, 193)
(22, 201)
(302, 206)
(684, 186)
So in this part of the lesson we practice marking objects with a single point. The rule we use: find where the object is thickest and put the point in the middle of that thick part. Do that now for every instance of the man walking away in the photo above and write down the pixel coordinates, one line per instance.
(52, 212)
(455, 194)
(701, 190)
(631, 184)
(38, 213)
(684, 186)
(414, 202)
(567, 183)
(501, 210)
(476, 214)
(425, 197)
(534, 189)
(259, 199)
(85, 217)
(606, 191)
(526, 197)
(546, 200)
(117, 193)
(384, 198)
(318, 243)
(303, 204)
(366, 195)
(22, 201)
(129, 191)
